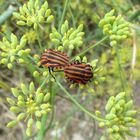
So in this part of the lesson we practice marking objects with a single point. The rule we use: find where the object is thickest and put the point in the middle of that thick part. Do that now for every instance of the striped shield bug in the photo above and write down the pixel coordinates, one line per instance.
(54, 59)
(78, 72)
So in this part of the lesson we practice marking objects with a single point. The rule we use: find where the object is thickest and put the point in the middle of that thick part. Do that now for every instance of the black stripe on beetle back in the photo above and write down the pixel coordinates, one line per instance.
(59, 55)
(56, 61)
(78, 70)
(80, 75)
(56, 58)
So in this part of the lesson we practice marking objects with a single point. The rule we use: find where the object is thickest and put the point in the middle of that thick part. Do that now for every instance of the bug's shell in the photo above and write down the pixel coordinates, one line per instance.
(54, 59)
(80, 73)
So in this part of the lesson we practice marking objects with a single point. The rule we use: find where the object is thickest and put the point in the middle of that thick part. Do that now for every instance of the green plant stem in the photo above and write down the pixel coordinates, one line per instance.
(134, 15)
(78, 105)
(5, 15)
(63, 14)
(42, 131)
(120, 68)
(38, 38)
(91, 47)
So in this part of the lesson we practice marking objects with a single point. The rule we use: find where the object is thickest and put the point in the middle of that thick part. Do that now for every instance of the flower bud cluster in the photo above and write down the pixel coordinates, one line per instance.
(70, 38)
(29, 105)
(31, 36)
(119, 118)
(117, 28)
(12, 50)
(33, 14)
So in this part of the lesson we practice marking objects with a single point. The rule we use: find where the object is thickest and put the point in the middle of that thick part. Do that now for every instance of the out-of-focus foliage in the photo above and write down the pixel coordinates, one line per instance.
(83, 16)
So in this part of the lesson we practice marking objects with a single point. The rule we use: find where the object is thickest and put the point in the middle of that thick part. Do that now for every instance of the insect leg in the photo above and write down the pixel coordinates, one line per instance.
(51, 73)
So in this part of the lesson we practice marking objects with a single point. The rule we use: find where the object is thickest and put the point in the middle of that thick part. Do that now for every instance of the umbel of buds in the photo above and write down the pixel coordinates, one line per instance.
(119, 119)
(34, 14)
(70, 38)
(13, 50)
(116, 27)
(29, 104)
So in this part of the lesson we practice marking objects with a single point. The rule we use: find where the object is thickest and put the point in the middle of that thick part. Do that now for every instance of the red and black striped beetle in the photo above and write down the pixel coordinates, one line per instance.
(54, 59)
(78, 72)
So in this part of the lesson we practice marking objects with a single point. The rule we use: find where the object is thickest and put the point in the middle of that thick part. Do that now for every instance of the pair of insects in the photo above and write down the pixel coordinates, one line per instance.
(75, 71)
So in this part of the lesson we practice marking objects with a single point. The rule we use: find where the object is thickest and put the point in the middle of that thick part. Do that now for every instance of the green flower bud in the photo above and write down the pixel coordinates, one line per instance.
(66, 43)
(23, 41)
(4, 61)
(45, 106)
(15, 109)
(14, 39)
(131, 133)
(29, 131)
(50, 19)
(9, 65)
(38, 124)
(41, 19)
(32, 87)
(21, 104)
(45, 73)
(80, 28)
(20, 98)
(60, 48)
(48, 12)
(110, 104)
(84, 59)
(64, 27)
(27, 51)
(78, 58)
(16, 15)
(21, 53)
(128, 105)
(111, 13)
(15, 92)
(12, 123)
(36, 74)
(113, 110)
(3, 54)
(56, 41)
(113, 43)
(21, 61)
(10, 101)
(30, 123)
(12, 58)
(115, 128)
(101, 124)
(38, 114)
(35, 26)
(21, 23)
(110, 116)
(127, 119)
(43, 112)
(39, 98)
(73, 35)
(21, 116)
(130, 113)
(24, 89)
(47, 97)
(110, 130)
(71, 47)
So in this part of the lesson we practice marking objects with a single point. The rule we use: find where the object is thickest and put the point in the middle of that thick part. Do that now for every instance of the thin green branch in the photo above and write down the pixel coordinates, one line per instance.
(5, 15)
(78, 105)
(134, 15)
(91, 47)
(63, 14)
(122, 79)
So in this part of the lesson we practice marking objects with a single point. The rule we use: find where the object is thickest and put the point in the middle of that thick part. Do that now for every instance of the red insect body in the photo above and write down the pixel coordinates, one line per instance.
(78, 72)
(54, 59)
